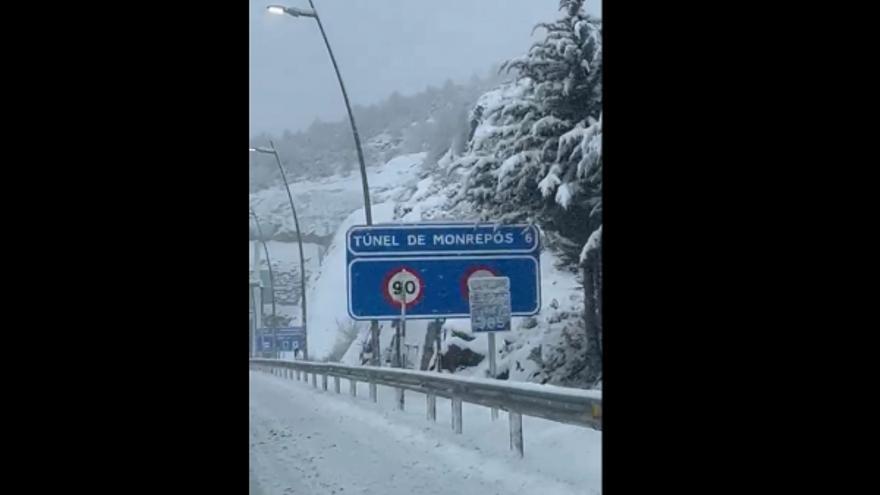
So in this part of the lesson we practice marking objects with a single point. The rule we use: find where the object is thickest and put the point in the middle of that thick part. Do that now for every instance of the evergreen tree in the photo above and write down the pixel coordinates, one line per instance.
(535, 145)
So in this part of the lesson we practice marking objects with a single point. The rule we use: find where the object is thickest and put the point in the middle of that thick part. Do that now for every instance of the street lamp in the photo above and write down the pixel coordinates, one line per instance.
(295, 12)
(292, 11)
(313, 12)
(271, 276)
(302, 262)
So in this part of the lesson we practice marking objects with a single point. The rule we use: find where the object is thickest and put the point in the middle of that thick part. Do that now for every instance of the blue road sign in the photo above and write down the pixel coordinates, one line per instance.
(437, 287)
(441, 239)
(266, 343)
(428, 266)
(288, 338)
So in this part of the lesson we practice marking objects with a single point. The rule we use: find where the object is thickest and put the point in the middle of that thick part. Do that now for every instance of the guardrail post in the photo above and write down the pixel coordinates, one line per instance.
(374, 392)
(353, 387)
(456, 415)
(400, 398)
(516, 435)
(432, 407)
(314, 380)
(336, 384)
(297, 375)
(324, 382)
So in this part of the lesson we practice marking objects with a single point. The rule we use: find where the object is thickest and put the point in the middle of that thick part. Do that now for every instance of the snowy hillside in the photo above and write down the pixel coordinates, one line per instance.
(285, 267)
(322, 204)
(326, 208)
(542, 349)
(327, 297)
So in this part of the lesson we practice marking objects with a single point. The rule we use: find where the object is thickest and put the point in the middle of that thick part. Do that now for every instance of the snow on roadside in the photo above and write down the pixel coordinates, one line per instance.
(559, 459)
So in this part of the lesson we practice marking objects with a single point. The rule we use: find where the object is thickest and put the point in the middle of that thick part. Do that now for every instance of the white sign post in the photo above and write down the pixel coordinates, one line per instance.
(403, 286)
(490, 312)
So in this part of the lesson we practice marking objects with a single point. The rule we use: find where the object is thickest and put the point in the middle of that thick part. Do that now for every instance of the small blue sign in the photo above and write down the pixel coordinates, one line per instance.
(288, 338)
(441, 239)
(438, 285)
(266, 343)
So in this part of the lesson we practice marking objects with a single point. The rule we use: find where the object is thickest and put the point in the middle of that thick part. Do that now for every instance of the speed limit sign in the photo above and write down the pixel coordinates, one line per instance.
(403, 285)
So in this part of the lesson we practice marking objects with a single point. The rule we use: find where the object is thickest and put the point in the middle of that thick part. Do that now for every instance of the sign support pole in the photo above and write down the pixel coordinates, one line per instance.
(437, 345)
(401, 331)
(492, 372)
(374, 331)
(401, 326)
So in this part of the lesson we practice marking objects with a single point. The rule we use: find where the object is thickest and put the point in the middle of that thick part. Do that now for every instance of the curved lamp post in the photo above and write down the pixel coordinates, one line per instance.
(302, 262)
(313, 13)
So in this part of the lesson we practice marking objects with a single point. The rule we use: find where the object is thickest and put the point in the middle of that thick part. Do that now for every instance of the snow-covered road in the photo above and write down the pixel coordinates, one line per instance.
(309, 442)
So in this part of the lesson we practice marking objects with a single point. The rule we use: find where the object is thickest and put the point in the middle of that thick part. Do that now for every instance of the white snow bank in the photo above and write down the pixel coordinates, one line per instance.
(328, 301)
(296, 429)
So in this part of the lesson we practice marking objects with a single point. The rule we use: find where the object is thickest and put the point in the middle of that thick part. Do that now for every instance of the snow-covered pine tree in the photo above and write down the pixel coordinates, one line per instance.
(535, 151)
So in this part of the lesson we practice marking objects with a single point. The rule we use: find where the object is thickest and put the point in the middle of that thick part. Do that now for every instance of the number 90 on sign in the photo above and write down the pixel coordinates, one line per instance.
(404, 286)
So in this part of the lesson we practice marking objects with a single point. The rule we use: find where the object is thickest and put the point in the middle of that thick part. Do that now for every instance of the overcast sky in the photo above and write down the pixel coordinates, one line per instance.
(381, 46)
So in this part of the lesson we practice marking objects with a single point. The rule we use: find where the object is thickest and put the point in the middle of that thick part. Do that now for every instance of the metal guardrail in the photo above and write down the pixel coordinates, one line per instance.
(560, 404)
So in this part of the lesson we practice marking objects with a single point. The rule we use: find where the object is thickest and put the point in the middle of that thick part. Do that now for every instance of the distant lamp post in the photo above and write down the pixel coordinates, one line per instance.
(313, 13)
(271, 276)
(302, 262)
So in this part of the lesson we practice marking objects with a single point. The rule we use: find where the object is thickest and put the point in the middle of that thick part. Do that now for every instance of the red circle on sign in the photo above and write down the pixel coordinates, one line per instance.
(465, 293)
(395, 271)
